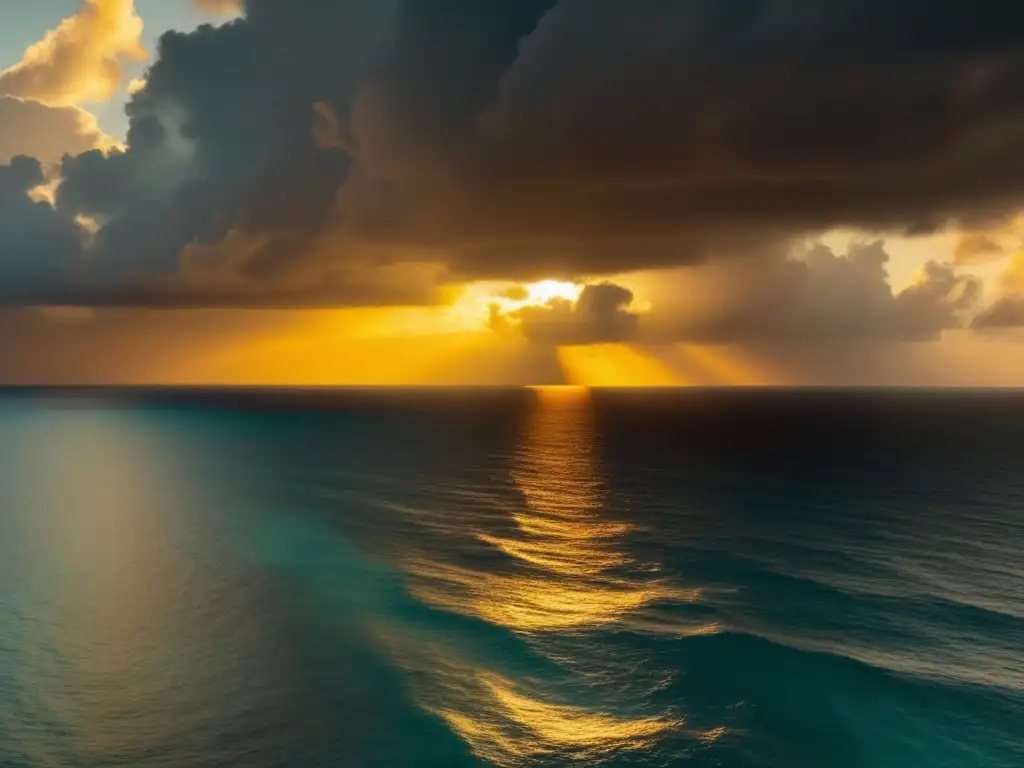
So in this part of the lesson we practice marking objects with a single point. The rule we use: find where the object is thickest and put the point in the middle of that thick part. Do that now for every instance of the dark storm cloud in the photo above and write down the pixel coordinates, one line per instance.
(1007, 312)
(37, 243)
(534, 138)
(640, 134)
(222, 136)
(227, 146)
(221, 141)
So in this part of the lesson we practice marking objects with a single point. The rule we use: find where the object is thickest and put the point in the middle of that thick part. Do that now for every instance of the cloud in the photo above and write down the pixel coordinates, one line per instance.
(811, 296)
(78, 61)
(631, 135)
(220, 7)
(39, 246)
(1006, 313)
(262, 150)
(52, 258)
(82, 59)
(65, 315)
(303, 144)
(221, 141)
(601, 314)
(244, 270)
(822, 295)
(1008, 310)
(30, 128)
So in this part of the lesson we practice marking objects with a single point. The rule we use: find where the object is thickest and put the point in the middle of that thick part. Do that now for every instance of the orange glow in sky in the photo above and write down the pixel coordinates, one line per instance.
(615, 365)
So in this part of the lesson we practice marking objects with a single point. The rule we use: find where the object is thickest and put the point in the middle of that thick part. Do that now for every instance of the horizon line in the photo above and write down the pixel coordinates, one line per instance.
(5, 388)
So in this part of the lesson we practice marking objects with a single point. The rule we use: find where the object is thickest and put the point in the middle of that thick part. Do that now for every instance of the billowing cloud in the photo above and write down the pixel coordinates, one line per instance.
(305, 145)
(601, 313)
(817, 295)
(81, 59)
(30, 128)
(215, 161)
(978, 248)
(629, 135)
(1007, 312)
(38, 245)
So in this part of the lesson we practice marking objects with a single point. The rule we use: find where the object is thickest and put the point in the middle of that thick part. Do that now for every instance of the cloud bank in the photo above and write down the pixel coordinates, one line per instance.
(814, 296)
(365, 151)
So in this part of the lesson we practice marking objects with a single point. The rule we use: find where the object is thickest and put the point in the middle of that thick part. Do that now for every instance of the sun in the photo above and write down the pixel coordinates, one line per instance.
(480, 302)
(546, 291)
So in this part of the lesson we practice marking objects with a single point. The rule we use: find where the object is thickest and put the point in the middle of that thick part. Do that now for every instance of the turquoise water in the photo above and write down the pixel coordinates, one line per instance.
(520, 578)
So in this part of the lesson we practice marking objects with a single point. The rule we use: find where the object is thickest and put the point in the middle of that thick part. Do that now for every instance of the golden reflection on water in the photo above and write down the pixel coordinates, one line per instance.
(571, 563)
(567, 573)
(540, 729)
(510, 723)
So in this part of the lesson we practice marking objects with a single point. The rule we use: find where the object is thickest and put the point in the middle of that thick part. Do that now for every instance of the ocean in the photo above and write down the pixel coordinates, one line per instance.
(550, 577)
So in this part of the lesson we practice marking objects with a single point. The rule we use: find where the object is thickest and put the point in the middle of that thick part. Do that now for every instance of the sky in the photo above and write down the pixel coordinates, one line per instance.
(587, 192)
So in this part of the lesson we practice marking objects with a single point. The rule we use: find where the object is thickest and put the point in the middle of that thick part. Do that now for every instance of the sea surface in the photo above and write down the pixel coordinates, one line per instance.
(551, 577)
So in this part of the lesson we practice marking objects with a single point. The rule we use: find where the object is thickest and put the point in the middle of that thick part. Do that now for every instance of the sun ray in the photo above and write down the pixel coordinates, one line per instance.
(614, 365)
(730, 366)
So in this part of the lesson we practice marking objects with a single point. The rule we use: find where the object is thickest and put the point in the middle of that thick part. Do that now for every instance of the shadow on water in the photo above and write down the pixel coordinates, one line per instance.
(560, 579)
